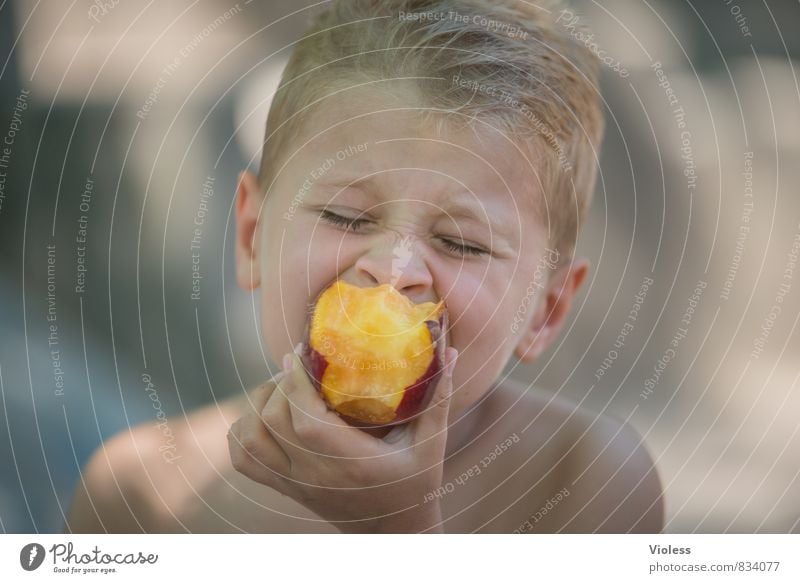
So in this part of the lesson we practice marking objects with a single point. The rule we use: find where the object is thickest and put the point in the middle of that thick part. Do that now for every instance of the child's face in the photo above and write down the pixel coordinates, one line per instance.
(417, 197)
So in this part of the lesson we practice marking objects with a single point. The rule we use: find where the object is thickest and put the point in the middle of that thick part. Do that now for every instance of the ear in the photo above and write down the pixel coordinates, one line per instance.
(551, 310)
(248, 208)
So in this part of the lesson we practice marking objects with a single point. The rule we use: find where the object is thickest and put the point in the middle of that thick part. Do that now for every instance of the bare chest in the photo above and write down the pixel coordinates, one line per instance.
(492, 485)
(496, 485)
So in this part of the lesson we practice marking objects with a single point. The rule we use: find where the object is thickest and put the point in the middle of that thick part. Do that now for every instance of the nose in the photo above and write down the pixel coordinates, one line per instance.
(398, 263)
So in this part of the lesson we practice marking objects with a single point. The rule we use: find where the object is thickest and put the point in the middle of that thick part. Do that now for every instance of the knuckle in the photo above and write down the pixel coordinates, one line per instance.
(270, 479)
(307, 428)
(356, 472)
(439, 402)
(236, 445)
(249, 443)
(238, 459)
(232, 435)
(270, 416)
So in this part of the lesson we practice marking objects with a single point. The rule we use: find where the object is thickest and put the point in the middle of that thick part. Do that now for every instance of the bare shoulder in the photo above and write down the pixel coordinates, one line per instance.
(613, 478)
(105, 499)
(604, 479)
(140, 479)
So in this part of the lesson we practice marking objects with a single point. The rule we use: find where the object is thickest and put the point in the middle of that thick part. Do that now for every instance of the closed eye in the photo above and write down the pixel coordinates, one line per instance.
(463, 249)
(349, 224)
(356, 224)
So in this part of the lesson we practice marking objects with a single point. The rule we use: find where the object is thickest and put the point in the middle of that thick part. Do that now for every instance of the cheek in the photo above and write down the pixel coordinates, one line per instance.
(280, 327)
(481, 331)
(284, 288)
(481, 311)
(320, 251)
(294, 267)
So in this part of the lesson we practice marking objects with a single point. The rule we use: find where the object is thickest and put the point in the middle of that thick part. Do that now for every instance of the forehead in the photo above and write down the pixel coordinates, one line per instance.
(389, 139)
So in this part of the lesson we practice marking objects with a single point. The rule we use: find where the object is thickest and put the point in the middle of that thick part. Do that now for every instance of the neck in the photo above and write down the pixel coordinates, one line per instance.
(462, 429)
(459, 431)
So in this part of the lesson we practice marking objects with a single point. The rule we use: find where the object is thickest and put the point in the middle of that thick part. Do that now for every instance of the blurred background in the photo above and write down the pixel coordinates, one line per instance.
(123, 127)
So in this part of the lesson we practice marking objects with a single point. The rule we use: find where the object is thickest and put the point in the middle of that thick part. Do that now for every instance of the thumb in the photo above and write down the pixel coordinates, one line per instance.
(433, 420)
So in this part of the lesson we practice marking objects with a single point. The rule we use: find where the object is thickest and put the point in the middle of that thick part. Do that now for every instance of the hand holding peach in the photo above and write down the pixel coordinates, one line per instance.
(295, 444)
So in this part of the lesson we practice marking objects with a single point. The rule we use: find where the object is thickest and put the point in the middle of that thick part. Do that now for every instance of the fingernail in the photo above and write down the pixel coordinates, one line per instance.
(287, 362)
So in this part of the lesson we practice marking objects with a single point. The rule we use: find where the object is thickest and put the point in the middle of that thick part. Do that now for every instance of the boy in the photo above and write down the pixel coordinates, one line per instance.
(448, 148)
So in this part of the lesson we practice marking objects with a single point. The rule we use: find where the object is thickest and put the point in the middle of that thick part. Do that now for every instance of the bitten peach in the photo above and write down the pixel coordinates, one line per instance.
(373, 354)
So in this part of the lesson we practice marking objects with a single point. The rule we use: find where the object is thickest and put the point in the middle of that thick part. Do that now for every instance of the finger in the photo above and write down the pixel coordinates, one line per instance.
(278, 416)
(304, 393)
(259, 396)
(255, 453)
(275, 412)
(317, 426)
(432, 422)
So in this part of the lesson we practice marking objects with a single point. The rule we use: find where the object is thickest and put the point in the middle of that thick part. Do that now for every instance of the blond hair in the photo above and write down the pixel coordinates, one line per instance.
(506, 63)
